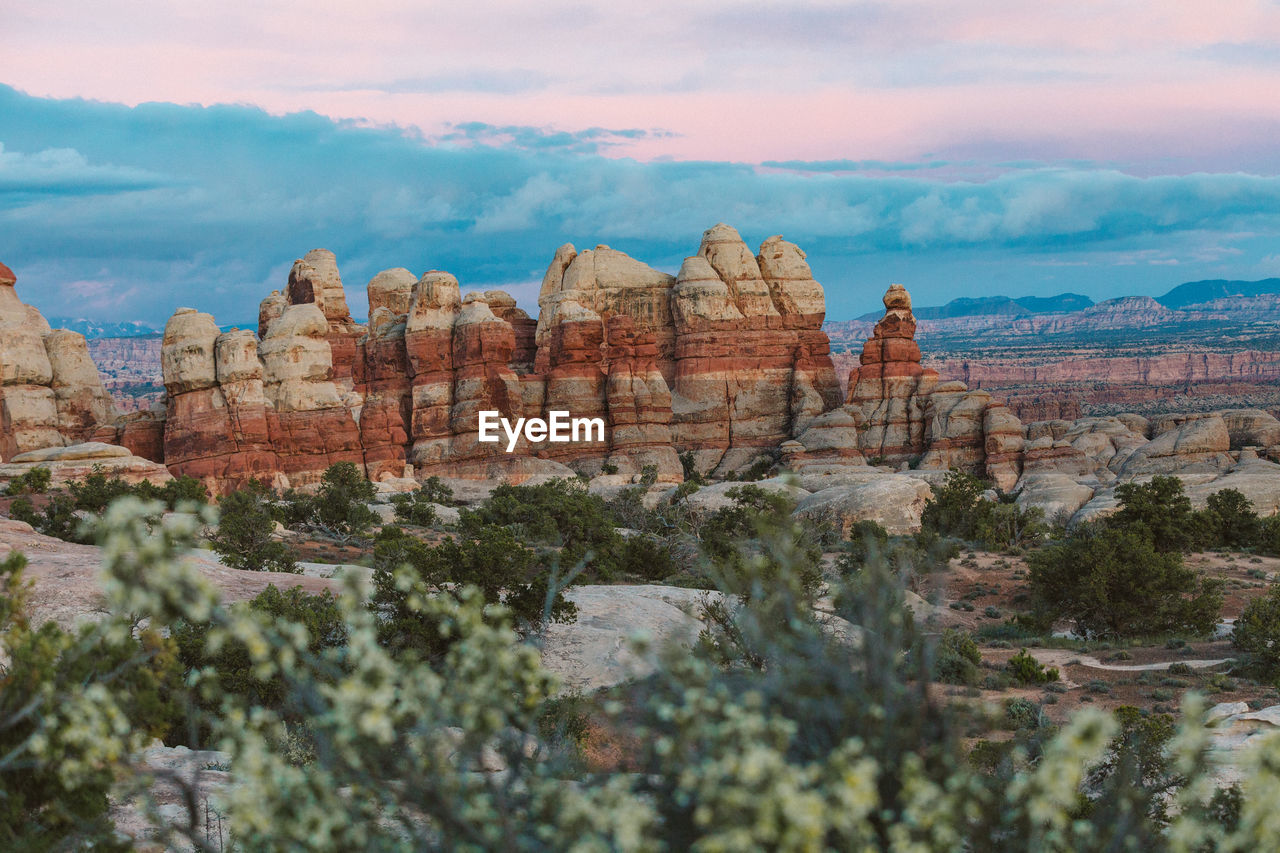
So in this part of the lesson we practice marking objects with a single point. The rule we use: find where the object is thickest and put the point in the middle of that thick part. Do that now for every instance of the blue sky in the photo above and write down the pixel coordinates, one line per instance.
(127, 213)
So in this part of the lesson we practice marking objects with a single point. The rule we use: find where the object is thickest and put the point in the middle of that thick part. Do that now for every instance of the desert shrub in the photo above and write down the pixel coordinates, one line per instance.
(956, 658)
(341, 504)
(414, 508)
(1256, 633)
(244, 534)
(231, 668)
(436, 491)
(690, 468)
(178, 491)
(731, 538)
(956, 507)
(559, 513)
(829, 745)
(338, 508)
(957, 510)
(1267, 537)
(867, 540)
(1005, 526)
(489, 559)
(69, 703)
(97, 490)
(1130, 786)
(1161, 512)
(1112, 581)
(33, 482)
(1022, 714)
(1025, 669)
(1230, 520)
(57, 518)
(647, 558)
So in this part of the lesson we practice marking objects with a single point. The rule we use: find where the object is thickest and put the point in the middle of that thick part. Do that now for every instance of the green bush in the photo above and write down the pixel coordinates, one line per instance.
(690, 468)
(69, 702)
(341, 504)
(958, 510)
(731, 538)
(1025, 669)
(1256, 633)
(1004, 526)
(957, 657)
(97, 490)
(1022, 714)
(244, 535)
(1267, 537)
(33, 482)
(1230, 520)
(231, 667)
(1112, 581)
(1160, 512)
(559, 513)
(955, 508)
(414, 508)
(489, 559)
(828, 744)
(867, 540)
(339, 507)
(58, 518)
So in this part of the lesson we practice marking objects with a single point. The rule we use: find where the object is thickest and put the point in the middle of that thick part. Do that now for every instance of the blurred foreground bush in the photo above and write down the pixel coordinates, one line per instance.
(786, 728)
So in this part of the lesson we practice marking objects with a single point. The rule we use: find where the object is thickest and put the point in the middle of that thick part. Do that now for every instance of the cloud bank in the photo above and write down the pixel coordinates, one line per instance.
(120, 212)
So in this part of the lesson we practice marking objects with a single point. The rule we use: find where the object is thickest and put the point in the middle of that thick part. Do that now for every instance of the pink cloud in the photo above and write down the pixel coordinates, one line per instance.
(773, 81)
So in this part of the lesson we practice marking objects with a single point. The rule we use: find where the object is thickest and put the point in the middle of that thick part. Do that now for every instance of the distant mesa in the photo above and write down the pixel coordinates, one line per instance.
(1199, 292)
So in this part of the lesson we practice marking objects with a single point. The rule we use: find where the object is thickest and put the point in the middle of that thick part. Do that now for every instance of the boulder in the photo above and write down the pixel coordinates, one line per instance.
(893, 501)
(75, 462)
(709, 499)
(1057, 494)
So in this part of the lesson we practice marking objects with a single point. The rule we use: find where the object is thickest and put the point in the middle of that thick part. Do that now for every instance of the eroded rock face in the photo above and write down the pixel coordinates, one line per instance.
(216, 425)
(50, 391)
(906, 416)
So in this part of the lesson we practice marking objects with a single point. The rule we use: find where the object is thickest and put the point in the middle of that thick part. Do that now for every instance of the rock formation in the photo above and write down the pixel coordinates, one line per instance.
(50, 392)
(727, 361)
(722, 364)
(905, 416)
(76, 461)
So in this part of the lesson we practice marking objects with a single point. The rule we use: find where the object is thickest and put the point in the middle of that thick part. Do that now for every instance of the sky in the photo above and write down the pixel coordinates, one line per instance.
(157, 154)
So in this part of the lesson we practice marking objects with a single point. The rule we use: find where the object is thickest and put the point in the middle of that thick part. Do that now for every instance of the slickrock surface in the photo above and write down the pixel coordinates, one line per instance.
(77, 461)
(65, 576)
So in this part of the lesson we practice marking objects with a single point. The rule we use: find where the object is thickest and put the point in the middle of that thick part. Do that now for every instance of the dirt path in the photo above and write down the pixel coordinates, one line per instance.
(1060, 658)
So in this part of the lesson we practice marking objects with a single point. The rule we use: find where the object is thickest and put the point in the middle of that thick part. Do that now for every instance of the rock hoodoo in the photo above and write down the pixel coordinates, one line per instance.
(727, 360)
(722, 364)
(50, 392)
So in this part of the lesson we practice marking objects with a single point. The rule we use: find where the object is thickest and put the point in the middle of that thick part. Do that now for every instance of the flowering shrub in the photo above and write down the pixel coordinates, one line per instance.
(787, 730)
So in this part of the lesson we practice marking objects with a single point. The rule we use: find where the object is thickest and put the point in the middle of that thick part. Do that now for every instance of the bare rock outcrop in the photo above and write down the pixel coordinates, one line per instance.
(906, 416)
(216, 427)
(311, 424)
(74, 462)
(50, 392)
